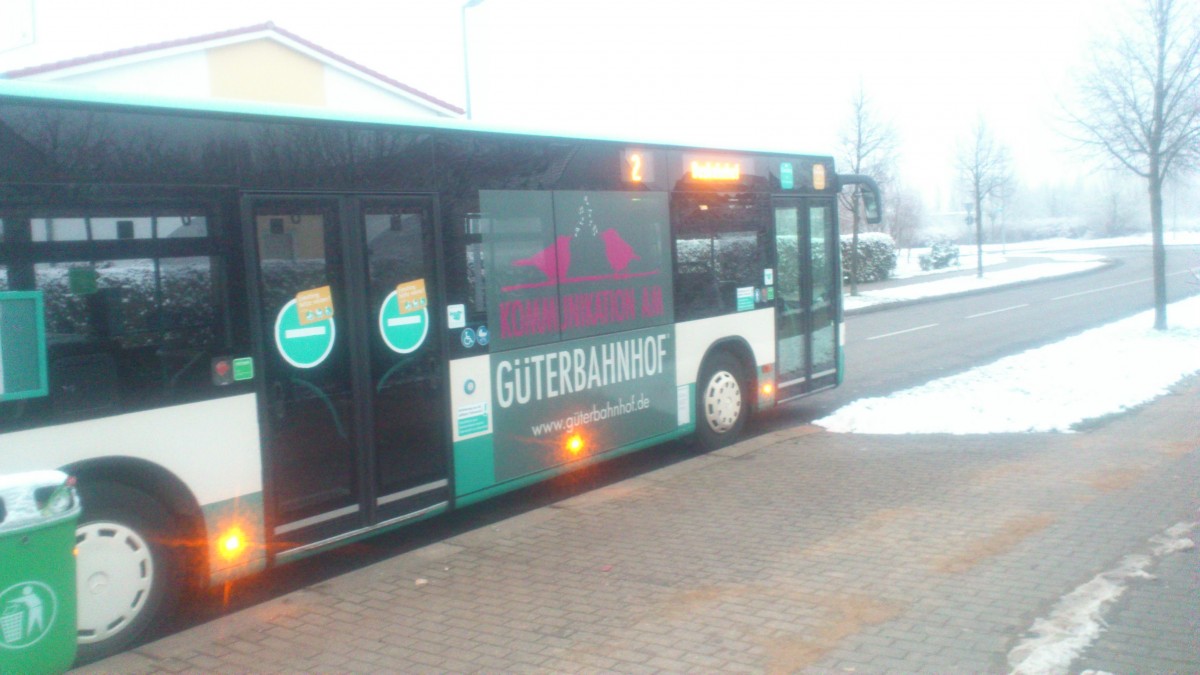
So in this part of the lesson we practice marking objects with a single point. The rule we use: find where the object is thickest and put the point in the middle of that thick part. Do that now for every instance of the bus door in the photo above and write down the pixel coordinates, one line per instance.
(805, 286)
(352, 380)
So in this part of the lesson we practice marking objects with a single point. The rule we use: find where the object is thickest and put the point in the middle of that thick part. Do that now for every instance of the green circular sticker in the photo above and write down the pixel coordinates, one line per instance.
(402, 333)
(27, 611)
(303, 345)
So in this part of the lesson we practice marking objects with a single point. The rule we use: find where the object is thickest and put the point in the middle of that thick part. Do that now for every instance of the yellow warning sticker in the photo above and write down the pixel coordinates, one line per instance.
(410, 295)
(314, 305)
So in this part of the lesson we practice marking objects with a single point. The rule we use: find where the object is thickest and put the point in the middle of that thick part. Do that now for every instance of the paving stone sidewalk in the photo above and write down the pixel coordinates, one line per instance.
(797, 551)
(1156, 625)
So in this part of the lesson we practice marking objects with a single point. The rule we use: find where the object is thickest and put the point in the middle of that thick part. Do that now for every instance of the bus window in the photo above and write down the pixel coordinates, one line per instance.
(177, 227)
(476, 278)
(473, 227)
(122, 228)
(721, 246)
(123, 332)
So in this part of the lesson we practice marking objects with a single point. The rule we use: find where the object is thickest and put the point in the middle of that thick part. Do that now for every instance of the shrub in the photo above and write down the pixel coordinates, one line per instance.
(876, 256)
(942, 253)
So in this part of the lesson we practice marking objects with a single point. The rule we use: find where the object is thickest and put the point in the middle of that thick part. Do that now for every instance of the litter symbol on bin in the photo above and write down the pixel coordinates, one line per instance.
(27, 612)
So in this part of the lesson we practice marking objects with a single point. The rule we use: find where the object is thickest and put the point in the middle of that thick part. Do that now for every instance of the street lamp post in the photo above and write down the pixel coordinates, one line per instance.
(466, 59)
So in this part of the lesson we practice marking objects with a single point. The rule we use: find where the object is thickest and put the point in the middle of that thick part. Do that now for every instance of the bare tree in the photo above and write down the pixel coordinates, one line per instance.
(984, 166)
(868, 146)
(1140, 105)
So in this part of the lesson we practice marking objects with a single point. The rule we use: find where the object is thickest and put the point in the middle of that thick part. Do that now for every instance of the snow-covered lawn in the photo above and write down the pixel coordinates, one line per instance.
(1101, 371)
(1056, 265)
(908, 261)
(1170, 238)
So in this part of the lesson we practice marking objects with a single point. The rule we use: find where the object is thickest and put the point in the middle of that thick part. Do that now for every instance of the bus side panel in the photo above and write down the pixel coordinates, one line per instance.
(236, 536)
(695, 338)
(471, 417)
(186, 440)
(519, 413)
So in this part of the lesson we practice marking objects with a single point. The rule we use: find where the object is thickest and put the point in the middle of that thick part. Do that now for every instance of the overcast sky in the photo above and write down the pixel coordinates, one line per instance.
(760, 73)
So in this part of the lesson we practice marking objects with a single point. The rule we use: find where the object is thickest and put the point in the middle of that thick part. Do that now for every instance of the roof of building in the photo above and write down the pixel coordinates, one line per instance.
(263, 30)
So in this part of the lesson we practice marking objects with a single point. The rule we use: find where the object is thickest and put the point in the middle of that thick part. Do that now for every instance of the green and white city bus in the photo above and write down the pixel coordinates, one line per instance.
(256, 333)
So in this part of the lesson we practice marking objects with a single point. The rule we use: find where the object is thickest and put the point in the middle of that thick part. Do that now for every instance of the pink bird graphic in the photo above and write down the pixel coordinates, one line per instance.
(619, 252)
(553, 261)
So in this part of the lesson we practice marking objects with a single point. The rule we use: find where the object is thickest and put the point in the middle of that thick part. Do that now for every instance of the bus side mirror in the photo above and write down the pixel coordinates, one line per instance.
(871, 207)
(869, 192)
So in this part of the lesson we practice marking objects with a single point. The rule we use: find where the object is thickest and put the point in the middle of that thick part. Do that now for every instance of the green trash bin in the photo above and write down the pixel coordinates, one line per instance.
(38, 511)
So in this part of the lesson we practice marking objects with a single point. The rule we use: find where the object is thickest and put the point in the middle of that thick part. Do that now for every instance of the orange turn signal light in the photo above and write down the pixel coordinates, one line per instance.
(232, 543)
(575, 444)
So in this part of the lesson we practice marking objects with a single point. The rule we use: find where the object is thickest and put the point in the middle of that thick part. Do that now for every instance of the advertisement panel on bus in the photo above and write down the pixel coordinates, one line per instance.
(582, 357)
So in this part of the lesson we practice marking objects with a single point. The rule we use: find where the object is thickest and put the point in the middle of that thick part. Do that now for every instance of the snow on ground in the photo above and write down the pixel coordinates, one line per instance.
(1055, 641)
(908, 263)
(1095, 373)
(1170, 238)
(1058, 264)
(1102, 371)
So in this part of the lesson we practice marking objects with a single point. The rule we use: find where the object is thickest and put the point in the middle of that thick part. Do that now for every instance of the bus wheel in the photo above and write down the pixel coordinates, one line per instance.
(125, 575)
(721, 403)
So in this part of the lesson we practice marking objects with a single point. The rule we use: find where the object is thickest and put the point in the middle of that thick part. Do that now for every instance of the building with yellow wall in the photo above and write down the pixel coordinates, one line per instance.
(262, 63)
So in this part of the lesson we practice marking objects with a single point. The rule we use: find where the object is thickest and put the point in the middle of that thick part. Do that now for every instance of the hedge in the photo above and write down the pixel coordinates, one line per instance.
(876, 256)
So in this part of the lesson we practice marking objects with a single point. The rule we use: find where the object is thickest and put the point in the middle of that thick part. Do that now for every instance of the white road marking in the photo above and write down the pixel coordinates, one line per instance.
(997, 311)
(1109, 288)
(901, 332)
(1100, 290)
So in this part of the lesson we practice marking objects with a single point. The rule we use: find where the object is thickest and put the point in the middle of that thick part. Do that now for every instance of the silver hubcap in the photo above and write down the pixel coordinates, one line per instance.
(114, 573)
(722, 402)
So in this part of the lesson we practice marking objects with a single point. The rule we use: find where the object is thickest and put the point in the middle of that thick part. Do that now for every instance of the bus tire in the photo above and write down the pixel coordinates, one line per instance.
(722, 401)
(125, 572)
